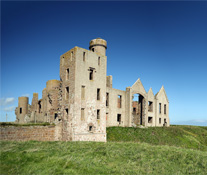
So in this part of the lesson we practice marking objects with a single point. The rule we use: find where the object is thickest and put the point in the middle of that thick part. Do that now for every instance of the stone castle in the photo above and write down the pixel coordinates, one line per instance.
(83, 103)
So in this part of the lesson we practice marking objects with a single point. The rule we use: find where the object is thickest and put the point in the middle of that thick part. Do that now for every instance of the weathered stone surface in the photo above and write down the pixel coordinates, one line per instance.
(82, 103)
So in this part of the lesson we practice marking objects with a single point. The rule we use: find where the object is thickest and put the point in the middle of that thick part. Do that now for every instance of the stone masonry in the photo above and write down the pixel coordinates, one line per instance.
(83, 102)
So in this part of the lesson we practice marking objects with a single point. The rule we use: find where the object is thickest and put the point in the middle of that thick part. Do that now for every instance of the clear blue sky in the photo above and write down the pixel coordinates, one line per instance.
(162, 43)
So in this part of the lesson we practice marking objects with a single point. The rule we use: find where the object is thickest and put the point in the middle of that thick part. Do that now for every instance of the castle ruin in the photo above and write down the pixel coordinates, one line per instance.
(83, 102)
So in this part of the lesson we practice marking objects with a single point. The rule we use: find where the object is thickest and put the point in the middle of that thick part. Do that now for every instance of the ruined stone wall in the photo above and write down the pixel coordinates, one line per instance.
(93, 109)
(67, 76)
(151, 109)
(114, 107)
(25, 133)
(161, 98)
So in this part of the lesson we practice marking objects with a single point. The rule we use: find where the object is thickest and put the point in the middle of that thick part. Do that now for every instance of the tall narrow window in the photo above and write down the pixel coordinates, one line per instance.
(107, 99)
(66, 111)
(20, 110)
(99, 61)
(164, 108)
(71, 56)
(119, 118)
(55, 116)
(98, 113)
(119, 101)
(160, 108)
(91, 72)
(150, 106)
(83, 92)
(159, 120)
(84, 56)
(90, 128)
(82, 114)
(67, 74)
(98, 94)
(66, 93)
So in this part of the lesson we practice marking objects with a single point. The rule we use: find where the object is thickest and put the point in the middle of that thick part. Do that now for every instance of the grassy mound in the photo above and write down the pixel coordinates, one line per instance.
(194, 137)
(34, 157)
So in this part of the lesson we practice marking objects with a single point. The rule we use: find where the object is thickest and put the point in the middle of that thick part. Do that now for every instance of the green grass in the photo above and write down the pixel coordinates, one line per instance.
(194, 137)
(128, 151)
(98, 158)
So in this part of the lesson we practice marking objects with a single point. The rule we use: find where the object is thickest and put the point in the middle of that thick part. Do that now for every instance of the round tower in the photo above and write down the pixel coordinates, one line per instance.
(98, 45)
(52, 85)
(23, 106)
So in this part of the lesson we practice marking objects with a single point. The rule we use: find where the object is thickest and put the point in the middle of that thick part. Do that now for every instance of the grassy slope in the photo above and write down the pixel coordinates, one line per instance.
(194, 137)
(99, 158)
(122, 154)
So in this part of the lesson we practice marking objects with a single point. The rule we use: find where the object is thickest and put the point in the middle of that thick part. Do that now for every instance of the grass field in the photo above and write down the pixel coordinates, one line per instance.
(128, 151)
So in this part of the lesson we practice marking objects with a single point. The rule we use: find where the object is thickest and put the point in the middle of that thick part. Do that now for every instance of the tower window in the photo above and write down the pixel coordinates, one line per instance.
(66, 93)
(98, 113)
(90, 128)
(82, 114)
(99, 61)
(91, 73)
(159, 120)
(160, 108)
(92, 49)
(165, 109)
(20, 110)
(84, 56)
(71, 56)
(55, 116)
(66, 111)
(119, 101)
(83, 92)
(107, 99)
(67, 74)
(98, 94)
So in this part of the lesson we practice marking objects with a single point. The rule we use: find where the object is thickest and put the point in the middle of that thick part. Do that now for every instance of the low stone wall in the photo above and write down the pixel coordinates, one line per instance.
(25, 133)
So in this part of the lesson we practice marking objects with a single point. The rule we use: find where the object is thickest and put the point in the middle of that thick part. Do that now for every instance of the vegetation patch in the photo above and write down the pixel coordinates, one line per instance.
(193, 137)
(34, 157)
(172, 150)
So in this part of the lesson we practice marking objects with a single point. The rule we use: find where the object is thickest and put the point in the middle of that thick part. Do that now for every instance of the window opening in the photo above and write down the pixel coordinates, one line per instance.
(67, 74)
(98, 94)
(107, 99)
(99, 61)
(90, 128)
(164, 108)
(66, 111)
(160, 108)
(84, 56)
(159, 120)
(55, 116)
(20, 110)
(98, 113)
(119, 101)
(82, 114)
(92, 49)
(71, 56)
(150, 106)
(119, 118)
(149, 119)
(83, 92)
(91, 73)
(67, 93)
